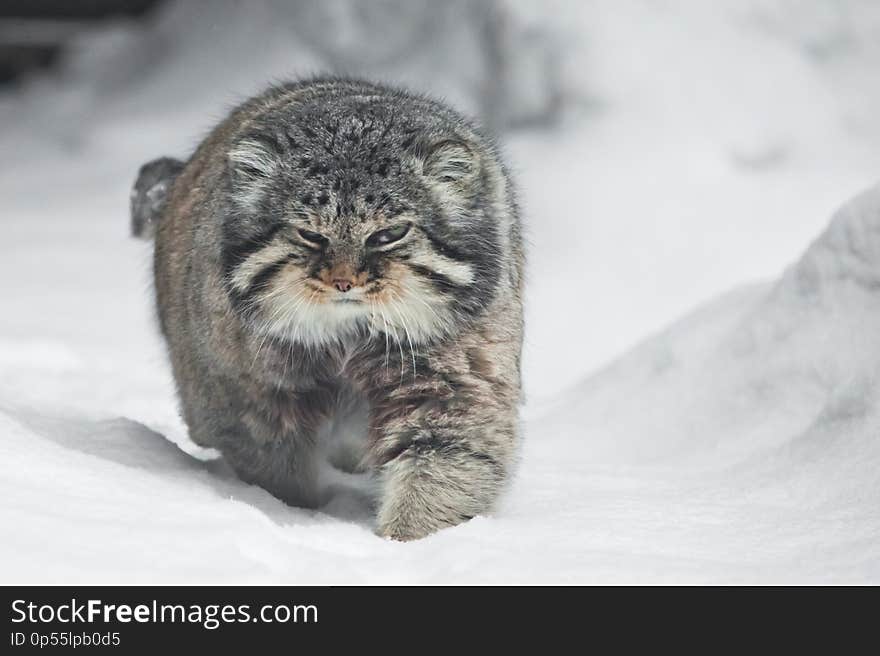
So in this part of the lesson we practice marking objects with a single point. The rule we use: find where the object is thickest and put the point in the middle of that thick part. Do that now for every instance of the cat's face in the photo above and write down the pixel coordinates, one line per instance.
(383, 235)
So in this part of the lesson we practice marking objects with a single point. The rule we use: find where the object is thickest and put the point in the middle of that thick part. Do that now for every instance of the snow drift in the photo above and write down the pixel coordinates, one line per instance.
(755, 366)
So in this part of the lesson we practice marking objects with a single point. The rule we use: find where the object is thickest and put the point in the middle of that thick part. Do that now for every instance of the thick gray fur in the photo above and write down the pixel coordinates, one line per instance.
(335, 240)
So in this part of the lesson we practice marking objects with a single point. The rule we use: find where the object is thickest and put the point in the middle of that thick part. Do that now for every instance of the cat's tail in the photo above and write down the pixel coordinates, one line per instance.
(149, 194)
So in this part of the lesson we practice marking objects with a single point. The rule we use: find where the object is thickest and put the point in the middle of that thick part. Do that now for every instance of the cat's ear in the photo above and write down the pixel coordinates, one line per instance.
(252, 163)
(253, 159)
(450, 162)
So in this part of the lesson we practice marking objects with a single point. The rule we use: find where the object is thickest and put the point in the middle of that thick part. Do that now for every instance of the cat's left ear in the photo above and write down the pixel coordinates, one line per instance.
(450, 161)
(451, 167)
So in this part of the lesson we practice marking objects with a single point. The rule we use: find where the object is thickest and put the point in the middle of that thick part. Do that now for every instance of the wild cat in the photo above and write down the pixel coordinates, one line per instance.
(335, 239)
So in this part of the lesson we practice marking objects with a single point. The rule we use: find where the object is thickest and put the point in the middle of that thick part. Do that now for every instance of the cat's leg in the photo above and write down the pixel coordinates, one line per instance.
(441, 460)
(269, 439)
(284, 467)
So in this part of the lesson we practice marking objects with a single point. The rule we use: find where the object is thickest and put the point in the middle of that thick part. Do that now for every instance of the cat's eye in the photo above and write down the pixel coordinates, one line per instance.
(388, 235)
(313, 237)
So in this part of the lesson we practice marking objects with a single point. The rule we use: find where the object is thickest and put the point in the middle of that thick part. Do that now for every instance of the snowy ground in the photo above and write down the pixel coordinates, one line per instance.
(741, 443)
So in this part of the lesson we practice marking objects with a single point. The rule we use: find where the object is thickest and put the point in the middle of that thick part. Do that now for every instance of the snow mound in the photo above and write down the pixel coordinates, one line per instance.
(750, 370)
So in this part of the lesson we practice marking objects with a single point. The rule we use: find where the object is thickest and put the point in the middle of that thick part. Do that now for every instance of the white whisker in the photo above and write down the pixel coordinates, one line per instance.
(406, 331)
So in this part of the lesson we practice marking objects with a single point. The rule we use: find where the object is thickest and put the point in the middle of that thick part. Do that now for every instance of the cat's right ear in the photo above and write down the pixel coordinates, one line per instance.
(252, 163)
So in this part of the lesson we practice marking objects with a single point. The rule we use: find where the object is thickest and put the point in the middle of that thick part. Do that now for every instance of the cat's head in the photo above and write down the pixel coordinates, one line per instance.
(363, 212)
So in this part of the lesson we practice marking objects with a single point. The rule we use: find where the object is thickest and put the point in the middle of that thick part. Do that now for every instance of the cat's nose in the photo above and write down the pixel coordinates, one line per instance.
(342, 284)
(343, 277)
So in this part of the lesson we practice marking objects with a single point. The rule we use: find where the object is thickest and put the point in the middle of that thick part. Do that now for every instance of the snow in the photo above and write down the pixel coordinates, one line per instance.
(704, 148)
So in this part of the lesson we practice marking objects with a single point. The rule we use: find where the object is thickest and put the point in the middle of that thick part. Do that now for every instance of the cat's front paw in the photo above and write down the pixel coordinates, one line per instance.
(400, 533)
(405, 528)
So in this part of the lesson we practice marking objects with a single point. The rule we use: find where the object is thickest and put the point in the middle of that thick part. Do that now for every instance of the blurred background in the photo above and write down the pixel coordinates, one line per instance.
(666, 150)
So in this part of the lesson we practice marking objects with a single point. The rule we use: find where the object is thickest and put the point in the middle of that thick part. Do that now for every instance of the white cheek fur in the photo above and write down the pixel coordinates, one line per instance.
(411, 311)
(244, 273)
(458, 272)
(408, 313)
